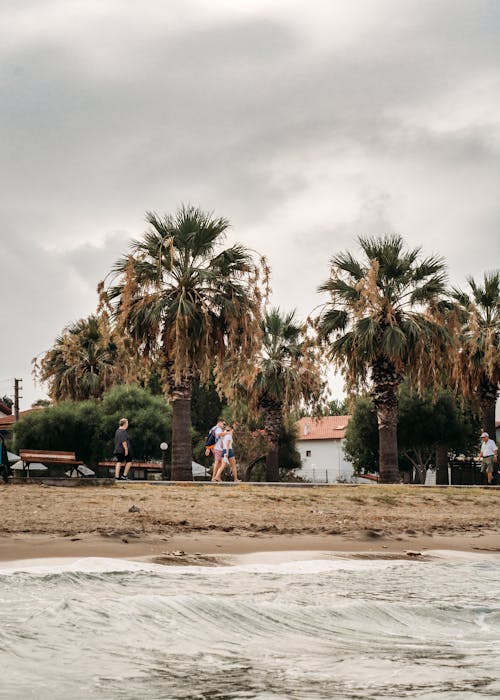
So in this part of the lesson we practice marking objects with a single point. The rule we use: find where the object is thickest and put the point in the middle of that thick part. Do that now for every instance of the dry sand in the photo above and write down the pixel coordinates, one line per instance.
(186, 523)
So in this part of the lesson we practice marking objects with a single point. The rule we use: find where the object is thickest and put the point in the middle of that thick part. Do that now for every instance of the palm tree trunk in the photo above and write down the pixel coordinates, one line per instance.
(272, 425)
(442, 476)
(182, 469)
(180, 391)
(488, 392)
(272, 463)
(386, 381)
(388, 445)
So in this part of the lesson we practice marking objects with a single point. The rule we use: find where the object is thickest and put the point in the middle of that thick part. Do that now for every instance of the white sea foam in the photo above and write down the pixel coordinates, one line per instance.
(311, 626)
(289, 561)
(59, 565)
(261, 563)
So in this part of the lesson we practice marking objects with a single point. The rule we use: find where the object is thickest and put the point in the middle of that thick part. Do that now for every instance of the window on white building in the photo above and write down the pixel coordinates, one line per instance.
(308, 453)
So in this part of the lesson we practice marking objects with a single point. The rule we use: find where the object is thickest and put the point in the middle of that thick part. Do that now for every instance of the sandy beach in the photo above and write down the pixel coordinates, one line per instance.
(202, 523)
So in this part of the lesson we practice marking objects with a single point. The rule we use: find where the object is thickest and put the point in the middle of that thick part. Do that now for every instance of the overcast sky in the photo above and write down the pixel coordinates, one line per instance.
(305, 123)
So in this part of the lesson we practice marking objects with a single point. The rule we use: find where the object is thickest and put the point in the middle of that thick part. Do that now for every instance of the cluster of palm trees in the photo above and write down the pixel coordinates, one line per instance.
(391, 317)
(186, 306)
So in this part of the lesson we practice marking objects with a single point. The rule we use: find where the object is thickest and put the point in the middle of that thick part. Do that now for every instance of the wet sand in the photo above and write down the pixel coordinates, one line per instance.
(186, 523)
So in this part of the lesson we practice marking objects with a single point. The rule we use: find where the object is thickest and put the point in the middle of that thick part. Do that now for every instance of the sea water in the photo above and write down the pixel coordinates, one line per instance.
(317, 628)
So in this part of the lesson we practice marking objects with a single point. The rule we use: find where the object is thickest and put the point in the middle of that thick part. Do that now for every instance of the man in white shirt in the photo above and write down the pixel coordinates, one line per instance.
(489, 455)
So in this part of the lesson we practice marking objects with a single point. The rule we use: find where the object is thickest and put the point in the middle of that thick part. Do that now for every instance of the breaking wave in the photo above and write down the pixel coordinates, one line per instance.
(326, 628)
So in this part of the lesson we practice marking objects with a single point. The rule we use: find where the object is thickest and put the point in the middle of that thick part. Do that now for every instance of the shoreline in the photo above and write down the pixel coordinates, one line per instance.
(210, 548)
(141, 520)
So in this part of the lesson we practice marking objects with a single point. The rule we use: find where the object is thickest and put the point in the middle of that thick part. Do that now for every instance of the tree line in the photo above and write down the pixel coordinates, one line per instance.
(180, 310)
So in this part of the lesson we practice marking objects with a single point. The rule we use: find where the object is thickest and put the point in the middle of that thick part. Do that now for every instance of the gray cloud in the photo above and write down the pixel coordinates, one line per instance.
(305, 125)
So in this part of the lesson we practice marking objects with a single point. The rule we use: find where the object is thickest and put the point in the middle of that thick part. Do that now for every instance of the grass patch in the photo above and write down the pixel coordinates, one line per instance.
(356, 499)
(386, 499)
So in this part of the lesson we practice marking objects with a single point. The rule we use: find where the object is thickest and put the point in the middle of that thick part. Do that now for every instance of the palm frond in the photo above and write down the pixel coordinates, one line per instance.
(385, 314)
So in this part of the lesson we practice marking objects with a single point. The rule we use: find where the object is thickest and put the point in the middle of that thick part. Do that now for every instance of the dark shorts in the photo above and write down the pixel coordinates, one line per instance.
(122, 457)
(230, 454)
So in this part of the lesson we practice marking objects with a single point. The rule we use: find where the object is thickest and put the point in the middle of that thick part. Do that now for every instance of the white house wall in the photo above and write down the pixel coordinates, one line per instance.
(326, 462)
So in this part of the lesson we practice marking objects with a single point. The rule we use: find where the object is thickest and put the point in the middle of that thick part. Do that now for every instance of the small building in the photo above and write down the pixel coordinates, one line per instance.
(8, 420)
(320, 443)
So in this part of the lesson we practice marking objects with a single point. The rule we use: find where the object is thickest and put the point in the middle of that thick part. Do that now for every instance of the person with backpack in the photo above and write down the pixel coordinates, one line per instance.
(213, 443)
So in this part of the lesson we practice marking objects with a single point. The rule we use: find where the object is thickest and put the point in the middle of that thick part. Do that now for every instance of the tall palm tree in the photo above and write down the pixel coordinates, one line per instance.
(83, 362)
(190, 302)
(480, 357)
(288, 375)
(378, 326)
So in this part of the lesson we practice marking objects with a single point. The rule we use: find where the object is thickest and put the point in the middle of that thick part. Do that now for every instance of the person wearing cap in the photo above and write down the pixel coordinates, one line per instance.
(488, 454)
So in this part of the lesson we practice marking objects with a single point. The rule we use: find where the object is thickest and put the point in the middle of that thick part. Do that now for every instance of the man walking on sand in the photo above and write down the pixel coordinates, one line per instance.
(122, 450)
(489, 456)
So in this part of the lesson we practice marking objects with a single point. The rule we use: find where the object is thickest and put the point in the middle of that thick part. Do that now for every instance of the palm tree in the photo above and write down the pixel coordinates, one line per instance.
(288, 375)
(83, 362)
(480, 356)
(191, 303)
(379, 326)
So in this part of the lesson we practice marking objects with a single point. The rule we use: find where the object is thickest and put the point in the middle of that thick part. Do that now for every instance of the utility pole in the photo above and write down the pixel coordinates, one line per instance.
(17, 396)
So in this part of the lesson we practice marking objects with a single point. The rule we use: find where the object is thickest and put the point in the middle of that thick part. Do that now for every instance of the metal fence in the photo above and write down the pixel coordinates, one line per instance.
(466, 473)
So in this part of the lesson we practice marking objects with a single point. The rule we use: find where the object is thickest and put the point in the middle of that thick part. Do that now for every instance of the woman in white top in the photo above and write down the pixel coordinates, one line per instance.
(228, 455)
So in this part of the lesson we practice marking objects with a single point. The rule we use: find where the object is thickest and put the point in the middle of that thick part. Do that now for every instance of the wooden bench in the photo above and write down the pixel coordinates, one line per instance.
(50, 458)
(134, 467)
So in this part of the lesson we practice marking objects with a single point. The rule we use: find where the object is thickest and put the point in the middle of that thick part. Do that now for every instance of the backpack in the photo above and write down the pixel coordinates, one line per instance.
(210, 439)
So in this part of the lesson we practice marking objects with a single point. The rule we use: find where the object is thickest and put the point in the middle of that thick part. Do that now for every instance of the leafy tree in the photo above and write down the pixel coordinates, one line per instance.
(88, 427)
(68, 425)
(379, 326)
(206, 406)
(428, 422)
(191, 303)
(338, 407)
(425, 423)
(252, 446)
(287, 374)
(149, 416)
(479, 359)
(361, 437)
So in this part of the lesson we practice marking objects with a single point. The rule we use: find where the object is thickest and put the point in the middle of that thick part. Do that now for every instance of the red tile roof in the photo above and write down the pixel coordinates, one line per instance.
(327, 428)
(6, 422)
